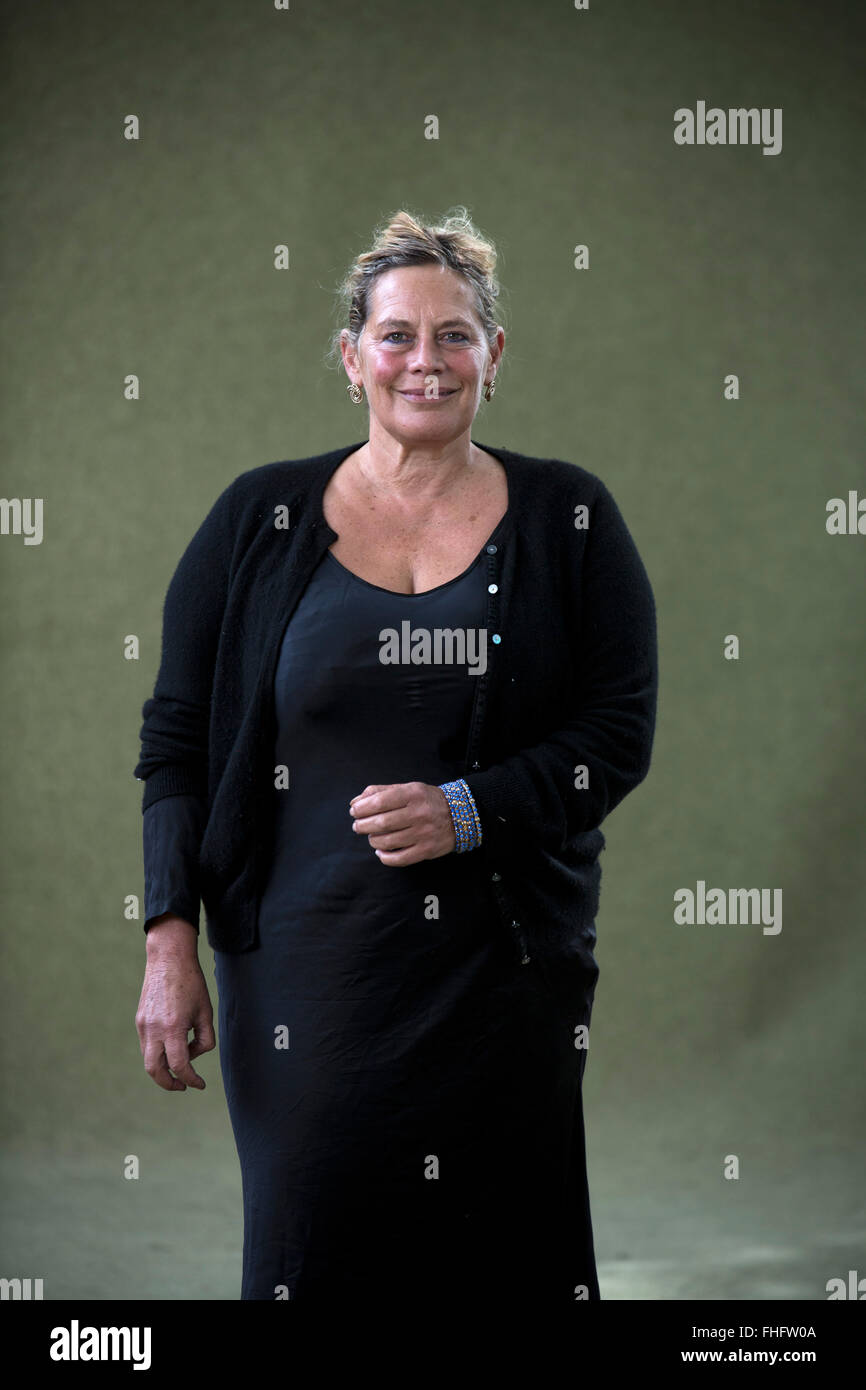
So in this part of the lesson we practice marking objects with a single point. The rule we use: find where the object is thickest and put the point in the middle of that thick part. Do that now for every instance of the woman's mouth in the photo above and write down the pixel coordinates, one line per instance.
(422, 395)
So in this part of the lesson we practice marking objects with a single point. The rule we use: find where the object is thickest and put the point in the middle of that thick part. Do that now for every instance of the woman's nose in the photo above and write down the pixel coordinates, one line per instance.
(426, 356)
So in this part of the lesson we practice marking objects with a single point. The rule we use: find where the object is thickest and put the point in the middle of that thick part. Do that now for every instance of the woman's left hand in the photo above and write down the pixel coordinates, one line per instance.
(404, 821)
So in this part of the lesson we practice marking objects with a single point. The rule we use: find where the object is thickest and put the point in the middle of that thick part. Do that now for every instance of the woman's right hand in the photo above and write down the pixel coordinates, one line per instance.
(174, 999)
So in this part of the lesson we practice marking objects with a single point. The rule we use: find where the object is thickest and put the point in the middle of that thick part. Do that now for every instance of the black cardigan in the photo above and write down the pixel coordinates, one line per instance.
(571, 683)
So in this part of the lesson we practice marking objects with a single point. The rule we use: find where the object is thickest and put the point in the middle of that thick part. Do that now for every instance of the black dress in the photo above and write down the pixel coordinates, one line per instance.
(405, 1095)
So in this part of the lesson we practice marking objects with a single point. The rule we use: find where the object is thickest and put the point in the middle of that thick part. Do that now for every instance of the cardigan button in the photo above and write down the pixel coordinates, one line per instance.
(493, 588)
(524, 960)
(491, 549)
(495, 878)
(514, 926)
(496, 638)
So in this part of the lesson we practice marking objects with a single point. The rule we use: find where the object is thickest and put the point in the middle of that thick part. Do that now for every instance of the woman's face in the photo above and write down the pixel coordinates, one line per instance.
(423, 357)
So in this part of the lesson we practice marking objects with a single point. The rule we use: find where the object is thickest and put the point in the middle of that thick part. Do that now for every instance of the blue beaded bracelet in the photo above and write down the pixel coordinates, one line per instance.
(464, 814)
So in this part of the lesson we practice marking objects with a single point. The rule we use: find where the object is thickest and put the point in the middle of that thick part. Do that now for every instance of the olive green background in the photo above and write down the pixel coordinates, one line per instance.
(155, 257)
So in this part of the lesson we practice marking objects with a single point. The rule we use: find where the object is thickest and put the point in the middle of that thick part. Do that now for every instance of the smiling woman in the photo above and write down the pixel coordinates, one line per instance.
(403, 918)
(413, 506)
(438, 354)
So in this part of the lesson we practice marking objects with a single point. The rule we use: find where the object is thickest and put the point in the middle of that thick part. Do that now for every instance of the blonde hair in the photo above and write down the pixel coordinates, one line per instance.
(404, 240)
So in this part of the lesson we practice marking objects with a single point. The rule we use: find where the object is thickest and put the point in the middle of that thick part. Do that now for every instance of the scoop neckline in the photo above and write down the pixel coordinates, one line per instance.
(425, 593)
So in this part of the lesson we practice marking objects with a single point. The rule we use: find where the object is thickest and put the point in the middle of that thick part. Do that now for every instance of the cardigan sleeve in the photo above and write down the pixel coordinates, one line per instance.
(172, 832)
(174, 734)
(536, 798)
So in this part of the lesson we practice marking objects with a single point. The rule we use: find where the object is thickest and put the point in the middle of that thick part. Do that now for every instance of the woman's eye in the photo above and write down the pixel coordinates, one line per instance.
(452, 333)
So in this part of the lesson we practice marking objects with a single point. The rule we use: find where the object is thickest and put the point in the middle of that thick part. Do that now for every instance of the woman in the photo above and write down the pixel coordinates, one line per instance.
(402, 684)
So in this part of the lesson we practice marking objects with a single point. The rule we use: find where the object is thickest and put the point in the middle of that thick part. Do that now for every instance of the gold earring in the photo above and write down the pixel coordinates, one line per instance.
(356, 392)
(488, 391)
